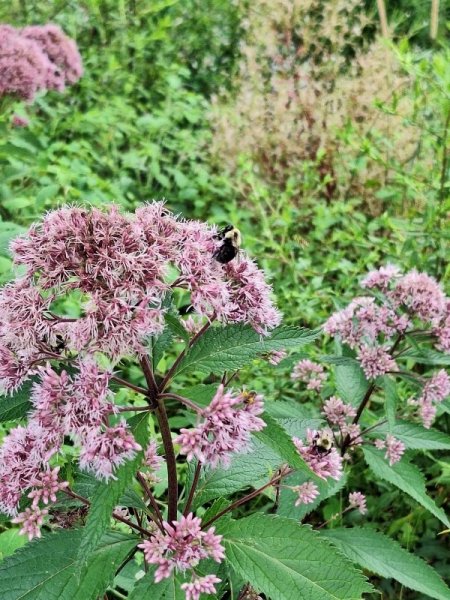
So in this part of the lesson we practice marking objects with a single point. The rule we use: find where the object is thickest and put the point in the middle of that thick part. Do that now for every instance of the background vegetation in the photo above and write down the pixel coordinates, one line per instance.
(292, 119)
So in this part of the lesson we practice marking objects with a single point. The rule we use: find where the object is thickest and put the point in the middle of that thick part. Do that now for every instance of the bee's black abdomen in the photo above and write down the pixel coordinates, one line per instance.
(225, 253)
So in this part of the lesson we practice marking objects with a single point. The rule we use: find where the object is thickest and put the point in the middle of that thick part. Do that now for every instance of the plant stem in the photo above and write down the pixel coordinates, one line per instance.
(86, 502)
(170, 373)
(198, 469)
(134, 408)
(247, 498)
(183, 400)
(152, 391)
(159, 520)
(136, 388)
(163, 421)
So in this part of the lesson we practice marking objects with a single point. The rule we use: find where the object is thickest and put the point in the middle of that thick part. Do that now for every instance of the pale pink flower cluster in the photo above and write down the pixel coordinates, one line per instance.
(324, 463)
(358, 500)
(310, 373)
(120, 265)
(307, 492)
(372, 325)
(31, 520)
(40, 57)
(199, 586)
(63, 405)
(181, 546)
(153, 462)
(337, 412)
(275, 357)
(435, 390)
(394, 448)
(340, 415)
(225, 429)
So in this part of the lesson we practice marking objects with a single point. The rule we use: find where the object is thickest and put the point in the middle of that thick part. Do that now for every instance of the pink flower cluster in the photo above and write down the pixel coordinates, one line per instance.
(181, 546)
(307, 492)
(153, 462)
(358, 500)
(40, 57)
(120, 266)
(75, 406)
(226, 428)
(324, 462)
(372, 325)
(435, 390)
(310, 373)
(339, 416)
(394, 448)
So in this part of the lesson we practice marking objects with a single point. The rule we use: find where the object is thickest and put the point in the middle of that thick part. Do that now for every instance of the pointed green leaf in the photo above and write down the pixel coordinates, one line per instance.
(175, 326)
(407, 477)
(390, 400)
(10, 540)
(383, 556)
(351, 383)
(230, 348)
(17, 405)
(45, 568)
(289, 561)
(107, 495)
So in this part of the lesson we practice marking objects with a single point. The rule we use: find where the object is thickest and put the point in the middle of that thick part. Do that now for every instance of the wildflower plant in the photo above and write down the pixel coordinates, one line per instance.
(92, 332)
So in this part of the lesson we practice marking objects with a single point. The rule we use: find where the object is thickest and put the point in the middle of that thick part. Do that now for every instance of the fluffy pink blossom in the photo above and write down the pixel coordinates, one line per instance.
(323, 462)
(394, 448)
(434, 392)
(61, 51)
(420, 294)
(152, 461)
(181, 546)
(358, 500)
(45, 487)
(307, 493)
(200, 585)
(31, 520)
(309, 372)
(353, 432)
(381, 278)
(24, 67)
(276, 357)
(102, 451)
(337, 412)
(376, 361)
(226, 428)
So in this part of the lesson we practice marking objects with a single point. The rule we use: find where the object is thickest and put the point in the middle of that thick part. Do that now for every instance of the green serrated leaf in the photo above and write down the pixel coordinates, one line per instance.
(17, 405)
(107, 495)
(176, 327)
(428, 357)
(246, 470)
(351, 383)
(232, 347)
(414, 436)
(289, 561)
(385, 557)
(275, 437)
(390, 400)
(10, 540)
(45, 568)
(407, 477)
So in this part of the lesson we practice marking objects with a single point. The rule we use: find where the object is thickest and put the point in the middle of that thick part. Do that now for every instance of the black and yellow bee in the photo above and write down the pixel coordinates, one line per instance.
(323, 442)
(231, 240)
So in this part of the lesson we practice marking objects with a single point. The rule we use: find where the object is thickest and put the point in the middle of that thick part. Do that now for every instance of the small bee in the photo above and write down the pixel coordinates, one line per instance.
(231, 243)
(248, 397)
(323, 442)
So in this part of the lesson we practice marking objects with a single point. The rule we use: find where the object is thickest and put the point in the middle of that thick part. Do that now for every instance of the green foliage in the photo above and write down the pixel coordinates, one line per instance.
(168, 589)
(47, 568)
(17, 405)
(383, 556)
(234, 346)
(407, 477)
(288, 561)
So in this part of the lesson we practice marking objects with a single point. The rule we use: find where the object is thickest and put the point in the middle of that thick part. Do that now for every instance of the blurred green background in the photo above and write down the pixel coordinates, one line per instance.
(327, 145)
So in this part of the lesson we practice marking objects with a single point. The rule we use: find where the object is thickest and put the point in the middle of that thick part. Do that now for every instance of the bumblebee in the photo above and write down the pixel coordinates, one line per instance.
(231, 239)
(248, 397)
(323, 442)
